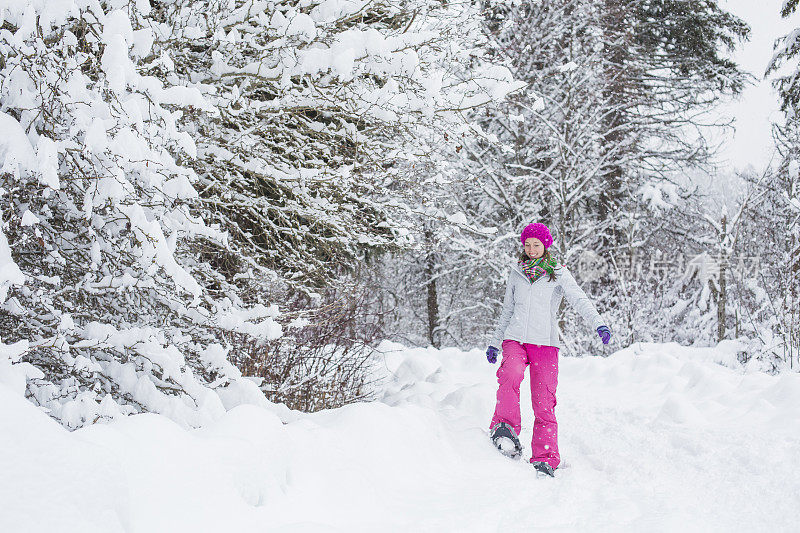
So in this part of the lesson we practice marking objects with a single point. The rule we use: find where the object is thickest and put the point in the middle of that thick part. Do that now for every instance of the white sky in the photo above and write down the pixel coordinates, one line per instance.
(757, 108)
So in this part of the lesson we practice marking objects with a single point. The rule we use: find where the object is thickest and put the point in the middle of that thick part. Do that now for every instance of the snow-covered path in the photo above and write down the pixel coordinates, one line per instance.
(656, 438)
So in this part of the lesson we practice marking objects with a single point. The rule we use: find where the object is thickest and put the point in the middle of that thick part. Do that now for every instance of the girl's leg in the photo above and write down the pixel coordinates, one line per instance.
(544, 378)
(509, 376)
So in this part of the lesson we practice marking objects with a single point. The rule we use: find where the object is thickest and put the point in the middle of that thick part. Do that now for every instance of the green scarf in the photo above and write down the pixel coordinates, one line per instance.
(536, 268)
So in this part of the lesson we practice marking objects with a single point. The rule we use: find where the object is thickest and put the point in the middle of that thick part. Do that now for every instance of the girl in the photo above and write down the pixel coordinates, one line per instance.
(529, 335)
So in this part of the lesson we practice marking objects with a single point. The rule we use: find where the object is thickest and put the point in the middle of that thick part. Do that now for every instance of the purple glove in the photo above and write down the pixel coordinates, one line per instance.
(491, 354)
(605, 334)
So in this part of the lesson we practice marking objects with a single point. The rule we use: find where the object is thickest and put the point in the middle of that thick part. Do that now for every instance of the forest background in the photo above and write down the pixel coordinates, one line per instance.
(206, 201)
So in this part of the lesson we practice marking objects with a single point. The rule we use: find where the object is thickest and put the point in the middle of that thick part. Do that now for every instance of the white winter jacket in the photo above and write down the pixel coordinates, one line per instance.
(530, 309)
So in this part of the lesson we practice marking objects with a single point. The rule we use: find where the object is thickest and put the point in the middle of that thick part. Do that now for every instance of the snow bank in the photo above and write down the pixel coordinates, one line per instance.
(54, 481)
(655, 437)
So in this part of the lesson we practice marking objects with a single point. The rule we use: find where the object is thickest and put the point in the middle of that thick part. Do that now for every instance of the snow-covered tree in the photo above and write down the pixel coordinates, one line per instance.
(171, 167)
(774, 302)
(321, 104)
(664, 65)
(771, 288)
(618, 91)
(108, 290)
(787, 49)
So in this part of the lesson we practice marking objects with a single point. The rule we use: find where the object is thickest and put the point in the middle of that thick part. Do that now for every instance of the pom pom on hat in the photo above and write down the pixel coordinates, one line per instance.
(539, 231)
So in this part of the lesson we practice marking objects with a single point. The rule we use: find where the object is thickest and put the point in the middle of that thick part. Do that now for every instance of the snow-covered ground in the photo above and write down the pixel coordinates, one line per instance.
(655, 437)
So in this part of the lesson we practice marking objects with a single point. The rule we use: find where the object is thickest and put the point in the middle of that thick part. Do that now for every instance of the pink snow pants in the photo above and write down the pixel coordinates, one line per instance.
(543, 361)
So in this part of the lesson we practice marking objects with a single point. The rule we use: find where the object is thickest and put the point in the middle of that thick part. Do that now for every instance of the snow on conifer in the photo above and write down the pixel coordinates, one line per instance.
(324, 105)
(104, 288)
(166, 168)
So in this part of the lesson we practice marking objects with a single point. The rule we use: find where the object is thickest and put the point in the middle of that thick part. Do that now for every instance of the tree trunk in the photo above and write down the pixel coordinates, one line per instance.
(793, 340)
(615, 93)
(430, 283)
(722, 298)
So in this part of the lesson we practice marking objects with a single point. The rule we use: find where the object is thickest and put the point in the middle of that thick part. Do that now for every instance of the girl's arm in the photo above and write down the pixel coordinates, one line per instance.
(578, 299)
(505, 314)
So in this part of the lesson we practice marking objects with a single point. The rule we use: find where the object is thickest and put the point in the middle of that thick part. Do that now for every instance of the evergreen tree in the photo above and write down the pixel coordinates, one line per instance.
(169, 169)
(113, 307)
(321, 104)
(663, 68)
(776, 301)
(787, 48)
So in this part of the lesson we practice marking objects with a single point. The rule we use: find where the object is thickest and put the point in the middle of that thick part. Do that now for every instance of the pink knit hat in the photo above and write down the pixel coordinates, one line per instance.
(540, 231)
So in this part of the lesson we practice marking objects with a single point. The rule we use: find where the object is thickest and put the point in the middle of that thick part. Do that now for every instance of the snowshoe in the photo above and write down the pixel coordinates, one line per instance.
(505, 440)
(543, 468)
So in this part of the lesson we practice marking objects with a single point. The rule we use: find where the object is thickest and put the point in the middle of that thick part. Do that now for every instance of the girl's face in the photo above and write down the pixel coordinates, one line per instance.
(534, 248)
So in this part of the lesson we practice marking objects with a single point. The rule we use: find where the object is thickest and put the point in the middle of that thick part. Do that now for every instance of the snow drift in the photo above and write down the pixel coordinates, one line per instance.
(655, 437)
